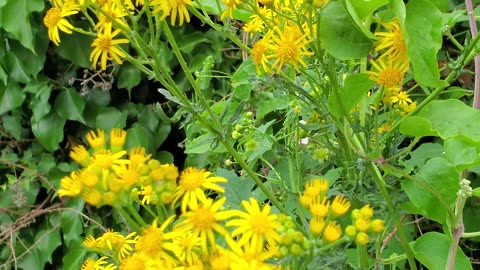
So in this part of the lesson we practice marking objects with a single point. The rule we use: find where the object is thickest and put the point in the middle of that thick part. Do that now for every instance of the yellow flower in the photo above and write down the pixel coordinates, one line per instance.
(362, 238)
(147, 192)
(55, 19)
(96, 141)
(90, 242)
(389, 74)
(350, 231)
(106, 48)
(332, 232)
(392, 41)
(377, 225)
(137, 156)
(188, 250)
(191, 187)
(288, 47)
(362, 224)
(203, 221)
(259, 58)
(339, 206)
(88, 178)
(115, 12)
(172, 8)
(318, 207)
(117, 139)
(317, 225)
(366, 211)
(93, 197)
(319, 3)
(255, 226)
(104, 159)
(90, 264)
(80, 155)
(231, 5)
(248, 258)
(71, 186)
(402, 99)
(154, 242)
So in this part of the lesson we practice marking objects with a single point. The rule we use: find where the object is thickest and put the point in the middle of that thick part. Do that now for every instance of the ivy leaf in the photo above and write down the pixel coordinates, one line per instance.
(11, 97)
(69, 104)
(49, 130)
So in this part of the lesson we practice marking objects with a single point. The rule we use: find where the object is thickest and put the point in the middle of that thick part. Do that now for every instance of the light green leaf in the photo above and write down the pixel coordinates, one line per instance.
(12, 124)
(69, 104)
(355, 88)
(75, 255)
(47, 239)
(423, 38)
(72, 224)
(242, 80)
(49, 130)
(436, 189)
(237, 189)
(161, 134)
(11, 97)
(339, 36)
(431, 249)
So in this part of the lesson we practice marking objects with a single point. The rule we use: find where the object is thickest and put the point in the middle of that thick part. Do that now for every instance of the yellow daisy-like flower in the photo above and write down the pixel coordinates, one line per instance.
(147, 192)
(55, 19)
(377, 225)
(203, 221)
(259, 56)
(255, 226)
(332, 232)
(90, 242)
(392, 41)
(110, 11)
(191, 186)
(91, 264)
(317, 225)
(362, 224)
(104, 159)
(93, 197)
(389, 74)
(339, 206)
(362, 239)
(80, 155)
(117, 139)
(137, 157)
(96, 140)
(155, 243)
(402, 99)
(249, 258)
(288, 47)
(71, 186)
(106, 48)
(319, 206)
(231, 5)
(188, 250)
(172, 8)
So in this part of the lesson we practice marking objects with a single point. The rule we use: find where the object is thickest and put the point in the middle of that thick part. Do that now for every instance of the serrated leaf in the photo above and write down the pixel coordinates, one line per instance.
(169, 96)
(237, 189)
(423, 38)
(49, 130)
(69, 104)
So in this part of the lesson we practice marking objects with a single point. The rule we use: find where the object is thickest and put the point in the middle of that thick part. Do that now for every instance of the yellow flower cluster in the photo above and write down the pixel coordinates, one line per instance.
(283, 40)
(108, 177)
(110, 22)
(324, 212)
(363, 225)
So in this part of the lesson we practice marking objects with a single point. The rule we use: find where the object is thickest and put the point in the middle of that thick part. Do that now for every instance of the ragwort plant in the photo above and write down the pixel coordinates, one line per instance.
(336, 102)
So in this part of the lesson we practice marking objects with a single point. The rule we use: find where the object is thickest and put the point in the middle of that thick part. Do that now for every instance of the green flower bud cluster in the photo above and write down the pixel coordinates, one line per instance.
(292, 242)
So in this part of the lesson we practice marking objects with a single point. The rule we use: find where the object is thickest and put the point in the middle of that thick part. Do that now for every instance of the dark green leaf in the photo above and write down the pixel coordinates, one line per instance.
(49, 130)
(69, 104)
(11, 97)
(12, 124)
(339, 36)
(109, 118)
(72, 224)
(128, 77)
(75, 256)
(161, 134)
(47, 239)
(76, 48)
(139, 136)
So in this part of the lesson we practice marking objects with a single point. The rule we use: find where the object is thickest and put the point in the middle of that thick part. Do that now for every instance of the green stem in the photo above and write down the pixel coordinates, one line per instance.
(362, 256)
(131, 223)
(470, 234)
(136, 216)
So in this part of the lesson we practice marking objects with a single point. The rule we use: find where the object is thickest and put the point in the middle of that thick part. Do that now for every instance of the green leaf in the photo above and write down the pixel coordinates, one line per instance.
(423, 38)
(72, 224)
(75, 256)
(364, 8)
(161, 134)
(110, 117)
(128, 77)
(191, 40)
(12, 124)
(424, 152)
(164, 157)
(95, 102)
(268, 105)
(462, 152)
(139, 136)
(15, 19)
(69, 104)
(76, 49)
(204, 144)
(49, 130)
(431, 249)
(242, 80)
(11, 97)
(339, 36)
(47, 239)
(355, 88)
(237, 189)
(436, 189)
(444, 118)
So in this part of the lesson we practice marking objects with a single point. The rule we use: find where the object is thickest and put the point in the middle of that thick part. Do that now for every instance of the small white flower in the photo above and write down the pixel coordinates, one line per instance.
(302, 122)
(304, 141)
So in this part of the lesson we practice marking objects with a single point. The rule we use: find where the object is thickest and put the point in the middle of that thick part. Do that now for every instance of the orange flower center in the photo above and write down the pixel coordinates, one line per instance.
(52, 17)
(104, 43)
(202, 219)
(390, 77)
